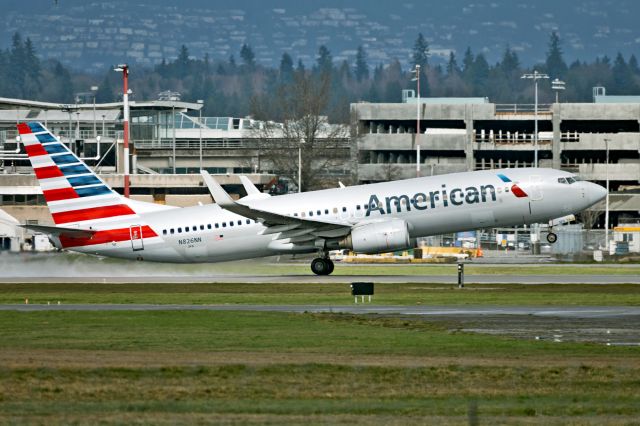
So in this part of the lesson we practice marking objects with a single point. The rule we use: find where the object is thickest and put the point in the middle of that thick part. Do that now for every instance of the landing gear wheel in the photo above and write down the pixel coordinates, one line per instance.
(552, 238)
(321, 266)
(331, 266)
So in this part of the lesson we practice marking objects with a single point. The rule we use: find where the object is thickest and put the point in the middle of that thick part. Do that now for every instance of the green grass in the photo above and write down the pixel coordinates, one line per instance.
(264, 332)
(386, 294)
(151, 367)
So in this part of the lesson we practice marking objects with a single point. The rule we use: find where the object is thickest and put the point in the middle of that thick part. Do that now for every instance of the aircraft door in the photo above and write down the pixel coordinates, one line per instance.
(137, 243)
(535, 188)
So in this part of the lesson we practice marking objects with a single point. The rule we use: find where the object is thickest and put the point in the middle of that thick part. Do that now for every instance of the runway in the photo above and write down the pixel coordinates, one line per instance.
(336, 279)
(591, 312)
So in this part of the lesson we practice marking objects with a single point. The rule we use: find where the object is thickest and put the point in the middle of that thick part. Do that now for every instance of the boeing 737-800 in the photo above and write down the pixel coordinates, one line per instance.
(90, 217)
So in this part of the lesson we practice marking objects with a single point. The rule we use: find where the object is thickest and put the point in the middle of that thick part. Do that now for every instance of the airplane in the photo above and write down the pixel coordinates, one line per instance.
(90, 217)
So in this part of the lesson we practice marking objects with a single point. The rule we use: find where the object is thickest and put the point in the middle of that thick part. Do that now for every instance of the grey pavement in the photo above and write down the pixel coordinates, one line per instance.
(310, 278)
(434, 311)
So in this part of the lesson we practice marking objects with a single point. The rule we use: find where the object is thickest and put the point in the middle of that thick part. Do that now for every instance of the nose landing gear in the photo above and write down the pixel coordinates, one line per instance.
(552, 238)
(322, 266)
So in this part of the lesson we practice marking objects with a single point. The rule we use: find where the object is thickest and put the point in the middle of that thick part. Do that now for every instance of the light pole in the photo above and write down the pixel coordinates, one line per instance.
(300, 165)
(94, 89)
(606, 203)
(124, 69)
(535, 77)
(201, 102)
(558, 85)
(417, 80)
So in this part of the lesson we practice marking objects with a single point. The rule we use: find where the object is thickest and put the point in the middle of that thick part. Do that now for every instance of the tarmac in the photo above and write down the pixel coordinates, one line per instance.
(591, 312)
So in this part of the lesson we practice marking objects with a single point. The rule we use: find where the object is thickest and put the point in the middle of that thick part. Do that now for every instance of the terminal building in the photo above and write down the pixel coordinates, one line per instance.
(464, 134)
(456, 134)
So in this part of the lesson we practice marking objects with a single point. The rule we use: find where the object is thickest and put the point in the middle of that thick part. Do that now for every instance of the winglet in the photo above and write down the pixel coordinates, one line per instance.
(221, 197)
(248, 186)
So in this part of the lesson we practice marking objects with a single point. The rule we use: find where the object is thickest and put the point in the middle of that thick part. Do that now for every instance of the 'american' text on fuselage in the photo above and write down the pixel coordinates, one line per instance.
(422, 201)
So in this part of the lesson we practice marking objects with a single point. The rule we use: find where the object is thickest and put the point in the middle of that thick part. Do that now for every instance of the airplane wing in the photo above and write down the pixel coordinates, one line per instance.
(290, 226)
(58, 231)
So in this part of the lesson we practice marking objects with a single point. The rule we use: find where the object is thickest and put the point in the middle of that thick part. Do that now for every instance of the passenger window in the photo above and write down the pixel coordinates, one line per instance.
(295, 214)
(239, 222)
(358, 206)
(248, 221)
(179, 230)
(172, 231)
(302, 214)
(231, 223)
(208, 226)
(344, 209)
(224, 224)
(310, 213)
(217, 226)
(202, 227)
(326, 211)
(335, 210)
(195, 228)
(164, 232)
(506, 189)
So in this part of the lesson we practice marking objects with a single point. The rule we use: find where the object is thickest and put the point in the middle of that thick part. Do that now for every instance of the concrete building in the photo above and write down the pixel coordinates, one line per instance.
(165, 151)
(458, 136)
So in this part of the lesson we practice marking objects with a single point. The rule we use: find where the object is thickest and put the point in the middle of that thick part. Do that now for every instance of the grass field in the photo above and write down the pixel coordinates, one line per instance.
(186, 367)
(328, 293)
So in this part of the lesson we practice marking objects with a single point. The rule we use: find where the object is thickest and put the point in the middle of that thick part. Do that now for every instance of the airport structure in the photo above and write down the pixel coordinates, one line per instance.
(464, 134)
(171, 141)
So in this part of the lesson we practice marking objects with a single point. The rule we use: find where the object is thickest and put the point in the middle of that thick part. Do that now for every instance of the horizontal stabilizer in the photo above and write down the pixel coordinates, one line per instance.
(57, 231)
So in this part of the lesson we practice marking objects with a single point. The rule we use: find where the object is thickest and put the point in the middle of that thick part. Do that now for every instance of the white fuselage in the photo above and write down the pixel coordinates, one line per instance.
(430, 206)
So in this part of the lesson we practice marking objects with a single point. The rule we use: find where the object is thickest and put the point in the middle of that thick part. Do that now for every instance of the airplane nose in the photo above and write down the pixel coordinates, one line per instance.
(595, 193)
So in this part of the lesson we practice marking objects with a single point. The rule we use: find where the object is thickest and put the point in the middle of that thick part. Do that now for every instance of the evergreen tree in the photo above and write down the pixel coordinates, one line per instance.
(361, 66)
(344, 72)
(421, 52)
(324, 62)
(555, 64)
(633, 65)
(300, 68)
(623, 83)
(286, 68)
(510, 63)
(452, 65)
(183, 63)
(248, 57)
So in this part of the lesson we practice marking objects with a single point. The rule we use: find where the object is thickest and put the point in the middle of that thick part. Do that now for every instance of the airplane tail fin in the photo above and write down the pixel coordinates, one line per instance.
(74, 194)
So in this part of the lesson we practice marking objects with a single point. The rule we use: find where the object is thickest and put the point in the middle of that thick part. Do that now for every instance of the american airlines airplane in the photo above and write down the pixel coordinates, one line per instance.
(92, 218)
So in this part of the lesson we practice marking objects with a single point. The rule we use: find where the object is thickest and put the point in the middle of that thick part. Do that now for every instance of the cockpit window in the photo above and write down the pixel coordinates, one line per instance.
(562, 180)
(571, 180)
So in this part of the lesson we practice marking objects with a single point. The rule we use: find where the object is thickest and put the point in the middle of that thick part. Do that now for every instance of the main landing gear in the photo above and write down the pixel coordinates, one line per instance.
(322, 266)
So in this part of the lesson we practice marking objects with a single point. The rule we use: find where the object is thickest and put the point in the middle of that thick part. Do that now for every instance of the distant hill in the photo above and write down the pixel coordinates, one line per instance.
(91, 35)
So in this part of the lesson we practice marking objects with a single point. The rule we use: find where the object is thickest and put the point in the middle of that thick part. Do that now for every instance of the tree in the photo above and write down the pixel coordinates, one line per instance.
(303, 126)
(248, 57)
(452, 65)
(361, 66)
(420, 54)
(555, 64)
(183, 62)
(324, 62)
(286, 68)
(623, 81)
(105, 90)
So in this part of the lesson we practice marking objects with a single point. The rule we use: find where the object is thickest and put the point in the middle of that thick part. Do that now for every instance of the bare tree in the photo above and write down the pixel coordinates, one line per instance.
(590, 217)
(303, 130)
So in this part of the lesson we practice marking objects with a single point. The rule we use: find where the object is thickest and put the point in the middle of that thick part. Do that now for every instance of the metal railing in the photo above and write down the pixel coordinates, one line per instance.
(522, 108)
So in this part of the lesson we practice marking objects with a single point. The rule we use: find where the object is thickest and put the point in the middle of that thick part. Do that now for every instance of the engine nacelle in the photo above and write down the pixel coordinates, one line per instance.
(379, 237)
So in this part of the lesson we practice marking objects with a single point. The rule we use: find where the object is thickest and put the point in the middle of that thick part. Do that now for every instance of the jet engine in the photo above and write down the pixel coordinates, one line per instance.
(378, 237)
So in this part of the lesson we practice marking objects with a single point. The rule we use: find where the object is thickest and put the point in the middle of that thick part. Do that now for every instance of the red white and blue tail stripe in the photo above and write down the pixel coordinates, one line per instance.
(72, 191)
(76, 196)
